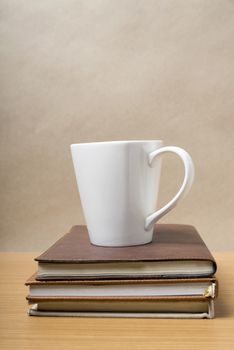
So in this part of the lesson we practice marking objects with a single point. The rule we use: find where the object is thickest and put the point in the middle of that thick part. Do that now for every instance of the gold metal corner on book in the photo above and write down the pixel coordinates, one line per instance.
(209, 292)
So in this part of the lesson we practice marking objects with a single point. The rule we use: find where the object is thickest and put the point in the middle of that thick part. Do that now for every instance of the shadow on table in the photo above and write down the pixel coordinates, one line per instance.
(222, 309)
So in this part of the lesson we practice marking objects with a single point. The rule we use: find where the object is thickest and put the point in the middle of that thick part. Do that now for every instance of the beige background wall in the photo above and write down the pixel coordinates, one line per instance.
(79, 71)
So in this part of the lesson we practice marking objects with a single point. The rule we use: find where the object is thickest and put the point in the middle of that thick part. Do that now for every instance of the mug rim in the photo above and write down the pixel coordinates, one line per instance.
(113, 142)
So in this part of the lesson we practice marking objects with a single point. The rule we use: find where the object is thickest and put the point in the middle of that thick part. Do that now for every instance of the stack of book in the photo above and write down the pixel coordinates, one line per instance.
(172, 277)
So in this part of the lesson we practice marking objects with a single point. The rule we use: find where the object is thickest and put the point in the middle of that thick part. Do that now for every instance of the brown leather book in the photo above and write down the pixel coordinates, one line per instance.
(199, 288)
(176, 251)
(135, 308)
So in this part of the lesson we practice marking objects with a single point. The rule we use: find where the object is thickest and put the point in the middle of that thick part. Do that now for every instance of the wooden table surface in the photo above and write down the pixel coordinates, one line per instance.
(19, 331)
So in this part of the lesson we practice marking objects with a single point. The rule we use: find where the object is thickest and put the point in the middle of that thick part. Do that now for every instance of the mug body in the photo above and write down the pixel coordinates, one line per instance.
(118, 189)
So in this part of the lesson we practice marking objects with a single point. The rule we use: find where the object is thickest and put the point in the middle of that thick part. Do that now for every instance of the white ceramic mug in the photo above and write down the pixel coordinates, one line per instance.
(118, 183)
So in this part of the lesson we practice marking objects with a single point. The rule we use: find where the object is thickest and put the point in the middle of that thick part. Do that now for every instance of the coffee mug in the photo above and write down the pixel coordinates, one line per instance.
(118, 183)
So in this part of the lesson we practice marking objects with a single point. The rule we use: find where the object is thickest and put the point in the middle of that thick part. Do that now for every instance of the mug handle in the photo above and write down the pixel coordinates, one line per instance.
(184, 189)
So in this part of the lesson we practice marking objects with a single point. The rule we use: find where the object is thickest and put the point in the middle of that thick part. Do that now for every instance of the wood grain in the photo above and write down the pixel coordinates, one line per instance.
(19, 331)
